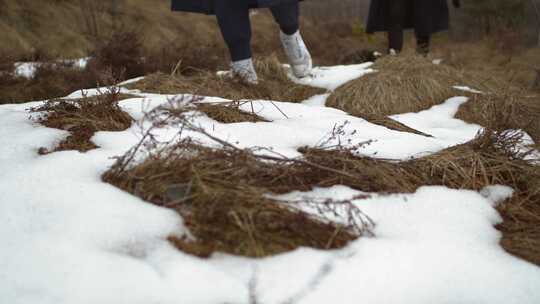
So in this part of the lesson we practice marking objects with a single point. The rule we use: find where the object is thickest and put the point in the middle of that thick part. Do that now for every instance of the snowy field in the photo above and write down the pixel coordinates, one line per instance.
(67, 237)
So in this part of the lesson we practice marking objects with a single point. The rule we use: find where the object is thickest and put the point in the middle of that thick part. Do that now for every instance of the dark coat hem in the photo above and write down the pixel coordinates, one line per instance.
(434, 16)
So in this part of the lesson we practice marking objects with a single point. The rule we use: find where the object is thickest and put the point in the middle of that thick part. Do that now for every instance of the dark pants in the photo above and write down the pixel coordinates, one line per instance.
(233, 20)
(397, 16)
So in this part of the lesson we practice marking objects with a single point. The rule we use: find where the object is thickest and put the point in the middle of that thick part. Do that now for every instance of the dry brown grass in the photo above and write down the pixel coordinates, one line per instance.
(27, 26)
(516, 68)
(221, 192)
(273, 85)
(504, 111)
(392, 124)
(488, 160)
(227, 113)
(402, 84)
(51, 80)
(224, 112)
(82, 118)
(411, 83)
(521, 232)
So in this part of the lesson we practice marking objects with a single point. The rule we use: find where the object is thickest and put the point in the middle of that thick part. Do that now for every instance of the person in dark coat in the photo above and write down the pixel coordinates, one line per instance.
(426, 17)
(233, 20)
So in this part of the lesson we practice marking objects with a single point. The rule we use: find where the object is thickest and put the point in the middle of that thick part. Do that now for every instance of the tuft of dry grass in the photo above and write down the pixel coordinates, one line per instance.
(222, 196)
(520, 228)
(224, 112)
(227, 113)
(503, 111)
(401, 84)
(273, 85)
(82, 118)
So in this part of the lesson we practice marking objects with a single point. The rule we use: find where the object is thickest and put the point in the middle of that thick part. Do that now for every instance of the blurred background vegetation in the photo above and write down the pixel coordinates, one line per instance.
(75, 28)
(129, 38)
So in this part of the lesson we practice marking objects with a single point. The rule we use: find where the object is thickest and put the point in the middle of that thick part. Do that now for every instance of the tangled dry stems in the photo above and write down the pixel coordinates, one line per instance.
(82, 118)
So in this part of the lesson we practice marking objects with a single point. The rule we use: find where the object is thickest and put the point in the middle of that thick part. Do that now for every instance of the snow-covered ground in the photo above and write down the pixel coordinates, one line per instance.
(67, 237)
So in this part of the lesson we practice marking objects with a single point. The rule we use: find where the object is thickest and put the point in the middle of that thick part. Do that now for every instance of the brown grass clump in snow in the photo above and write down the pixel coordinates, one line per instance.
(273, 85)
(222, 196)
(82, 118)
(510, 110)
(521, 225)
(227, 113)
(490, 159)
(223, 112)
(402, 84)
(223, 193)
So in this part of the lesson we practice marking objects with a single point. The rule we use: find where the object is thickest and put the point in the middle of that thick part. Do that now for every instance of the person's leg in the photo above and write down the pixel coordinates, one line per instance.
(423, 25)
(397, 14)
(233, 20)
(287, 15)
(422, 43)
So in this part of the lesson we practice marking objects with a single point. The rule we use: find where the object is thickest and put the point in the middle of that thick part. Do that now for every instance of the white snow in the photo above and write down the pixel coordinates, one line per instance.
(332, 77)
(526, 146)
(67, 237)
(28, 69)
(439, 122)
(130, 81)
(467, 89)
(497, 194)
(434, 246)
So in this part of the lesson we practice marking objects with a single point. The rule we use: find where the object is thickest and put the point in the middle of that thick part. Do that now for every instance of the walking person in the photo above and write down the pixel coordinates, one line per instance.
(235, 26)
(426, 17)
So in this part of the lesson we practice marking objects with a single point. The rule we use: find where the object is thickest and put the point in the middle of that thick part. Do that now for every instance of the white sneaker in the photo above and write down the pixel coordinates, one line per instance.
(297, 53)
(245, 70)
